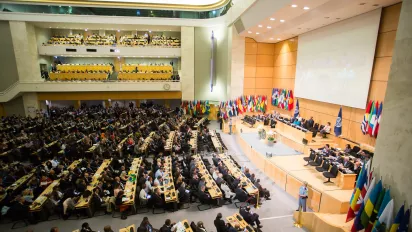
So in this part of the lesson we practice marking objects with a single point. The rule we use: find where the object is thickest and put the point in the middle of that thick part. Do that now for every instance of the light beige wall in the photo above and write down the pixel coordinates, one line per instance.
(25, 51)
(31, 104)
(14, 107)
(202, 63)
(8, 66)
(187, 77)
(237, 61)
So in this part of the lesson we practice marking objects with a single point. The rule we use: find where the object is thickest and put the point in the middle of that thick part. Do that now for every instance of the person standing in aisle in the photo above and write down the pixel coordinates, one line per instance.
(303, 196)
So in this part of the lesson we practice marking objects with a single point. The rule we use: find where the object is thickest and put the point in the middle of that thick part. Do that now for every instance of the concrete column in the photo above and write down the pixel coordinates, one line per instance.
(118, 62)
(392, 158)
(107, 103)
(31, 104)
(25, 51)
(187, 77)
(237, 61)
(167, 103)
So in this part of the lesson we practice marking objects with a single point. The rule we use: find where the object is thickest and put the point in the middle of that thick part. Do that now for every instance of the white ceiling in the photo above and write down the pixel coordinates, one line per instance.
(91, 26)
(297, 20)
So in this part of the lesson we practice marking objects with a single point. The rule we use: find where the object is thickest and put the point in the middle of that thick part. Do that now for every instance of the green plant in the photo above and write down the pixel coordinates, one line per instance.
(271, 139)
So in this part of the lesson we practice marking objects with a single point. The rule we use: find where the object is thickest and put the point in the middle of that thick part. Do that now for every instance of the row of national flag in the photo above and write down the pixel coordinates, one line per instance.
(282, 98)
(372, 207)
(195, 107)
(372, 118)
(242, 104)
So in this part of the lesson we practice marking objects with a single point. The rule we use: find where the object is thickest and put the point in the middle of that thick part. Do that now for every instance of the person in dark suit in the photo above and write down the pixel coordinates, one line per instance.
(262, 191)
(204, 198)
(250, 217)
(194, 182)
(241, 195)
(183, 195)
(235, 183)
(310, 123)
(220, 224)
(157, 199)
(346, 164)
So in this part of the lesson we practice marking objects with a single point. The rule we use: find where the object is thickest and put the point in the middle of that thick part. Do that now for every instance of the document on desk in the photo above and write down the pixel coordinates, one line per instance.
(180, 227)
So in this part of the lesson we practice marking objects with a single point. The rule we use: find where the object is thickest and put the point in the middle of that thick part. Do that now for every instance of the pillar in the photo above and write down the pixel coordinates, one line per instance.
(137, 103)
(237, 64)
(31, 104)
(392, 158)
(118, 62)
(187, 77)
(77, 104)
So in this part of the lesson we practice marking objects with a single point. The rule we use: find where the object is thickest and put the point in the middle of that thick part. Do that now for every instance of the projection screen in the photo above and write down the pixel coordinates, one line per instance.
(334, 63)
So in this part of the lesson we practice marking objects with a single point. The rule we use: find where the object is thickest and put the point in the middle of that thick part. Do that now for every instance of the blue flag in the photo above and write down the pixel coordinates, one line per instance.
(338, 125)
(296, 114)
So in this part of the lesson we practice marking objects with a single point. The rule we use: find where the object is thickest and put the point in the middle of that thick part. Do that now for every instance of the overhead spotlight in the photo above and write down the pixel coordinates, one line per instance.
(294, 5)
(118, 57)
(272, 19)
(257, 33)
(85, 29)
(306, 8)
(249, 32)
(271, 38)
(268, 27)
(282, 20)
(150, 31)
(118, 30)
(278, 38)
(259, 25)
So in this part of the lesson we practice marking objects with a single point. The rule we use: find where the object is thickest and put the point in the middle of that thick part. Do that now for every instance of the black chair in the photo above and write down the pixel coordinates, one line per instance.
(311, 157)
(199, 207)
(333, 173)
(325, 166)
(158, 210)
(317, 162)
(116, 209)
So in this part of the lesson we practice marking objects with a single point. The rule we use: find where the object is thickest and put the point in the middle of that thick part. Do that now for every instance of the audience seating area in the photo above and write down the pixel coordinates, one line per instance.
(135, 40)
(95, 161)
(66, 40)
(146, 72)
(81, 72)
(98, 40)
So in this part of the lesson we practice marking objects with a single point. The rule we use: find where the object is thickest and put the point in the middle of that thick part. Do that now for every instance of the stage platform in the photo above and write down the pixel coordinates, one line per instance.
(323, 221)
(277, 149)
(287, 169)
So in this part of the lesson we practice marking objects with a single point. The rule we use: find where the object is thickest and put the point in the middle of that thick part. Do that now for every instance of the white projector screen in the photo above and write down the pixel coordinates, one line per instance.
(334, 63)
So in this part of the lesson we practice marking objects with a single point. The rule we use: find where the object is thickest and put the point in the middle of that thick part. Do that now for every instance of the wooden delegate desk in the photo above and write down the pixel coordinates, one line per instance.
(37, 204)
(130, 187)
(211, 185)
(237, 219)
(236, 172)
(183, 226)
(146, 142)
(292, 132)
(168, 187)
(169, 142)
(200, 122)
(127, 229)
(193, 142)
(77, 76)
(144, 76)
(84, 68)
(84, 203)
(18, 184)
(216, 141)
(148, 68)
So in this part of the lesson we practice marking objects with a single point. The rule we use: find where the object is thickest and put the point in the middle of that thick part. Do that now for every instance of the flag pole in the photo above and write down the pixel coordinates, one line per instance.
(297, 223)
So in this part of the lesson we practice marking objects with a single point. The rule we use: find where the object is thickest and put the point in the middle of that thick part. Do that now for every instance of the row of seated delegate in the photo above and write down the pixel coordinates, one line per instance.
(61, 76)
(78, 68)
(110, 40)
(153, 41)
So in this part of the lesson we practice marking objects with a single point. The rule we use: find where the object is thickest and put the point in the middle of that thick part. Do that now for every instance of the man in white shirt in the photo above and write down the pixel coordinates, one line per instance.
(325, 130)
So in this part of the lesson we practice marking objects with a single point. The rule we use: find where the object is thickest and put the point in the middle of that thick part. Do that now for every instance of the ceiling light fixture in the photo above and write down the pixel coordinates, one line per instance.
(272, 19)
(271, 38)
(294, 5)
(118, 30)
(278, 38)
(268, 27)
(257, 33)
(249, 32)
(85, 29)
(259, 25)
(306, 8)
(282, 20)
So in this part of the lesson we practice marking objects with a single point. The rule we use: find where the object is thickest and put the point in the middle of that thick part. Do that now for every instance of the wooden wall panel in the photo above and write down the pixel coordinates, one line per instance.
(381, 68)
(285, 59)
(251, 49)
(264, 72)
(377, 90)
(384, 46)
(249, 83)
(390, 18)
(249, 91)
(264, 60)
(263, 83)
(265, 49)
(284, 83)
(250, 71)
(284, 71)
